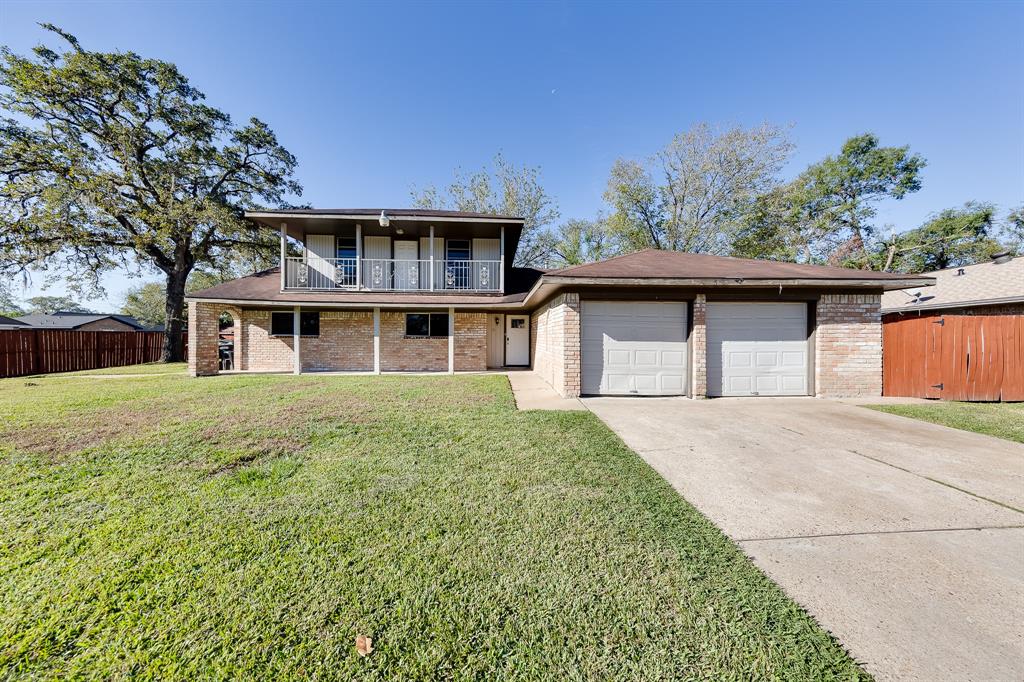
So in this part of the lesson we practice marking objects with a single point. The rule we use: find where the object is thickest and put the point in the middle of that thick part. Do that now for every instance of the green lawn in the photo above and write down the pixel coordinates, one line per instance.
(1003, 420)
(249, 527)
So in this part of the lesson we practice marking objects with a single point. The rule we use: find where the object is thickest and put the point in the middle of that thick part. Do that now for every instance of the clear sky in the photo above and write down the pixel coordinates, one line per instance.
(375, 98)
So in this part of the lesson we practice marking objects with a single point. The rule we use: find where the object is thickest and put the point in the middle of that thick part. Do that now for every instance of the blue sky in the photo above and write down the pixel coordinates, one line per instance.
(375, 98)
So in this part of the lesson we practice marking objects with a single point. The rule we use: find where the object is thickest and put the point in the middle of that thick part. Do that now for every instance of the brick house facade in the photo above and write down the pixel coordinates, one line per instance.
(434, 291)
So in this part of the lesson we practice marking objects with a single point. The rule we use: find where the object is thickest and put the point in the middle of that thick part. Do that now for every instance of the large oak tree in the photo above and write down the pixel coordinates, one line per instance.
(110, 160)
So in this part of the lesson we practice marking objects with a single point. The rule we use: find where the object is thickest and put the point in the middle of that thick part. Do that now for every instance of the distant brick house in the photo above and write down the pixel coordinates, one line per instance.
(363, 290)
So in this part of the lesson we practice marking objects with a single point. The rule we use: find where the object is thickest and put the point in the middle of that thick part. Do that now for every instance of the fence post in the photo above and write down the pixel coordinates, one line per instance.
(37, 355)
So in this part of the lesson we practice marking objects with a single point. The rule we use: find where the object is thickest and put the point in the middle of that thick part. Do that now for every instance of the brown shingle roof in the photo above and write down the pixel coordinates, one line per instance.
(657, 264)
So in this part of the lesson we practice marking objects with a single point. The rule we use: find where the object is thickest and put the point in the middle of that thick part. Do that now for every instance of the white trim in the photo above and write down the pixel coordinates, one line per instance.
(437, 306)
(296, 336)
(956, 304)
(376, 340)
(451, 340)
(359, 256)
(284, 252)
(339, 216)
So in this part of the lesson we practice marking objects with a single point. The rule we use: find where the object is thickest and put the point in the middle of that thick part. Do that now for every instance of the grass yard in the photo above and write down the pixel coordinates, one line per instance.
(1003, 420)
(250, 527)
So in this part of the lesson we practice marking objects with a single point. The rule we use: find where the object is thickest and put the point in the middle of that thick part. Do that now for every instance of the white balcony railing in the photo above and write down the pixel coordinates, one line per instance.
(387, 274)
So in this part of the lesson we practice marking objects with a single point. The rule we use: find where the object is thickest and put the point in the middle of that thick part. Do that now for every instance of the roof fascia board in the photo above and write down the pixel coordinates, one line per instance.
(741, 282)
(339, 216)
(351, 304)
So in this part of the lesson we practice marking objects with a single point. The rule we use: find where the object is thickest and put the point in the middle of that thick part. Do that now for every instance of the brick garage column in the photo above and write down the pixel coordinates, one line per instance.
(571, 345)
(203, 328)
(848, 348)
(699, 349)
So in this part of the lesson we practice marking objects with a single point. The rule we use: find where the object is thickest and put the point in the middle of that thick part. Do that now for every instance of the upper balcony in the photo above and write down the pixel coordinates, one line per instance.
(400, 250)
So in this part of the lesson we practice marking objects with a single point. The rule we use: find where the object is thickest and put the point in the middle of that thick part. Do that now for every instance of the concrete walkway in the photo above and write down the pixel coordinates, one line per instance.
(533, 393)
(904, 539)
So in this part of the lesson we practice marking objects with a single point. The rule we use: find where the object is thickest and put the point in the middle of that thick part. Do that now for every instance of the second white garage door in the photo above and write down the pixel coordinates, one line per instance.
(757, 349)
(633, 348)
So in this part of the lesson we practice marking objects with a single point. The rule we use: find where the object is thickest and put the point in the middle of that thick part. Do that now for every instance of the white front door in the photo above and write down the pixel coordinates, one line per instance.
(633, 348)
(407, 274)
(517, 340)
(757, 349)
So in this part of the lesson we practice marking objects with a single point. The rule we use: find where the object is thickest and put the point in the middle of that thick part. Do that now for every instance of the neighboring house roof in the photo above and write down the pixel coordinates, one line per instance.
(657, 264)
(70, 320)
(11, 323)
(988, 283)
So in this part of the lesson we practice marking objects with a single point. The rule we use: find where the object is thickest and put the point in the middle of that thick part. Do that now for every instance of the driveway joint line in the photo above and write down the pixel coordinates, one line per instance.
(935, 480)
(880, 532)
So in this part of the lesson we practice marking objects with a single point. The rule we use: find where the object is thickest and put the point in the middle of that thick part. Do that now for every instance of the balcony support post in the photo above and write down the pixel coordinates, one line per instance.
(431, 257)
(501, 259)
(451, 340)
(296, 335)
(359, 256)
(376, 340)
(284, 253)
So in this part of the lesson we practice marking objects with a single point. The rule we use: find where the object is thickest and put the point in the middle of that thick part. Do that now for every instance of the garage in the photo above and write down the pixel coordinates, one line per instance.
(633, 348)
(757, 349)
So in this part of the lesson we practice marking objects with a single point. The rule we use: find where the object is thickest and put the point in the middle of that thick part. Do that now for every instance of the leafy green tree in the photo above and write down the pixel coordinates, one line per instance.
(691, 196)
(952, 238)
(838, 196)
(146, 303)
(1013, 230)
(581, 241)
(505, 190)
(114, 160)
(8, 303)
(47, 305)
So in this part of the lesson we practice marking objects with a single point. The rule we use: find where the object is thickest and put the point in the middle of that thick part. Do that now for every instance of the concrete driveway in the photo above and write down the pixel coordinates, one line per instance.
(902, 538)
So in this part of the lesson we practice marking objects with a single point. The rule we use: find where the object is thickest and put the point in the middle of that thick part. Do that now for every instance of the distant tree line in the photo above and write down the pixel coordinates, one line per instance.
(721, 192)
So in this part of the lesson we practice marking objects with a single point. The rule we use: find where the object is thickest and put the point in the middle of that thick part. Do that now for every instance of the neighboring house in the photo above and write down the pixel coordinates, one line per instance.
(85, 322)
(11, 323)
(992, 288)
(435, 291)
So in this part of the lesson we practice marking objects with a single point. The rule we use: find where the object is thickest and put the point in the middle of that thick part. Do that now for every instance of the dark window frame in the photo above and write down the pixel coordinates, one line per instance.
(436, 329)
(305, 319)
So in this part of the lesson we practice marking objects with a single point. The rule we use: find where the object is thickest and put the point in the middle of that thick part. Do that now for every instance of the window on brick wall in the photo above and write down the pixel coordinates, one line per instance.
(282, 324)
(426, 324)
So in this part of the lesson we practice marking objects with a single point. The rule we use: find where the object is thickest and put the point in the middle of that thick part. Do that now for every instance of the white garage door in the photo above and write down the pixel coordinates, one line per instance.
(633, 348)
(757, 349)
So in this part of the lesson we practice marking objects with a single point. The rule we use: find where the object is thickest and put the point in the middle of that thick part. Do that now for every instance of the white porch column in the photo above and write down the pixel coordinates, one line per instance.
(501, 265)
(431, 257)
(297, 369)
(284, 251)
(376, 340)
(359, 256)
(451, 340)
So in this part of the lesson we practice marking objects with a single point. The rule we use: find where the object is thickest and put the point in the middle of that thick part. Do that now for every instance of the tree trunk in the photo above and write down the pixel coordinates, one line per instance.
(175, 324)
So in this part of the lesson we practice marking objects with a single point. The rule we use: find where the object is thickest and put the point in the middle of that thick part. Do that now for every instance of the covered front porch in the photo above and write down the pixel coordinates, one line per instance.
(302, 339)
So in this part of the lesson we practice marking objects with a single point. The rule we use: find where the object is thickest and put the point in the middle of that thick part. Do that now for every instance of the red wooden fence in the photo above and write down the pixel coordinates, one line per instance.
(954, 357)
(43, 351)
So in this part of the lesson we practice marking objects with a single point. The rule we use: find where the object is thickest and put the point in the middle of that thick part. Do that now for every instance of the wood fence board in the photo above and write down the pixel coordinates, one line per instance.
(972, 357)
(45, 351)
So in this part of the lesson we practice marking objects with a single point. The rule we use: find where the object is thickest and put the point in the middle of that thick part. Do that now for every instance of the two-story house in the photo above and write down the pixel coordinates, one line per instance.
(415, 290)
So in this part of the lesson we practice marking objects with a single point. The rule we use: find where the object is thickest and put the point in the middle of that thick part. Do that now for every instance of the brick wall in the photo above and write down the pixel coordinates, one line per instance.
(848, 348)
(1001, 309)
(699, 348)
(555, 335)
(399, 353)
(203, 336)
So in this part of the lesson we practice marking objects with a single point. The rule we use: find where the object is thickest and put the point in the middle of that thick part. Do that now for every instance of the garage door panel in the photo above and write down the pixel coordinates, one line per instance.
(633, 348)
(757, 348)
